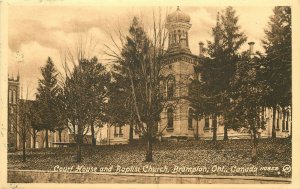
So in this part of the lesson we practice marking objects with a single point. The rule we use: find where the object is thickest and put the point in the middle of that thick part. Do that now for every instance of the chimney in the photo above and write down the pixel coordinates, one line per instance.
(18, 76)
(251, 45)
(201, 48)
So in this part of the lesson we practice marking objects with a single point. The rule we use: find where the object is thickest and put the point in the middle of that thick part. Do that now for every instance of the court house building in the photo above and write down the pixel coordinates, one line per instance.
(179, 70)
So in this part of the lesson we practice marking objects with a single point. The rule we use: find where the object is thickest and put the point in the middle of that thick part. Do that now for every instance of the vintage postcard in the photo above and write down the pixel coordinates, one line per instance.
(130, 92)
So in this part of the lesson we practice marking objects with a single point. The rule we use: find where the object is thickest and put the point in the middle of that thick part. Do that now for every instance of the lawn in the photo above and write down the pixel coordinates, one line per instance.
(185, 157)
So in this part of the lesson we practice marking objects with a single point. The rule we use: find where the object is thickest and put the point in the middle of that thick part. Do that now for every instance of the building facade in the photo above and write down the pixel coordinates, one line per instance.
(34, 139)
(179, 70)
(111, 135)
(13, 106)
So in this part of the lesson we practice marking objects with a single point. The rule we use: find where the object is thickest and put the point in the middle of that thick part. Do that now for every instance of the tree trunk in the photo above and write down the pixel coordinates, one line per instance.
(273, 123)
(46, 137)
(254, 147)
(214, 123)
(108, 135)
(34, 138)
(287, 121)
(24, 148)
(149, 144)
(78, 150)
(59, 135)
(283, 119)
(225, 132)
(93, 134)
(79, 143)
(197, 129)
(291, 122)
(130, 133)
(263, 118)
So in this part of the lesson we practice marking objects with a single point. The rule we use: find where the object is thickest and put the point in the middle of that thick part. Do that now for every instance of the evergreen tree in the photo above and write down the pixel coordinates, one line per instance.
(97, 81)
(84, 99)
(218, 70)
(249, 89)
(232, 39)
(120, 107)
(47, 99)
(141, 61)
(278, 47)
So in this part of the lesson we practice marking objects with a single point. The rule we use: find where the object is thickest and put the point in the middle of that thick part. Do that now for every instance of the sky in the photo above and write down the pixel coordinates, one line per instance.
(37, 32)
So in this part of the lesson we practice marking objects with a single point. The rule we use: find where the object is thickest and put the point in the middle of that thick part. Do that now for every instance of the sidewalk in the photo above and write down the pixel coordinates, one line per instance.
(37, 176)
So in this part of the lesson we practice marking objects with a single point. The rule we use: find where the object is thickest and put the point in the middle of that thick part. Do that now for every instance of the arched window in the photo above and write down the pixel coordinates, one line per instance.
(170, 86)
(174, 37)
(161, 88)
(10, 96)
(14, 98)
(170, 117)
(190, 119)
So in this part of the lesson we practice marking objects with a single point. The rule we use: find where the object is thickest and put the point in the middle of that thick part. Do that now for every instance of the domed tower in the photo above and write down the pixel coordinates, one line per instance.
(178, 72)
(178, 25)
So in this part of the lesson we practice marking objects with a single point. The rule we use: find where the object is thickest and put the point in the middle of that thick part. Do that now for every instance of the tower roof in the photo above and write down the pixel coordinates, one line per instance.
(178, 16)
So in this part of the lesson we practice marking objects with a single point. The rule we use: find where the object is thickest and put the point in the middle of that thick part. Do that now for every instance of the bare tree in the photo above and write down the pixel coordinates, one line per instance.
(140, 58)
(24, 128)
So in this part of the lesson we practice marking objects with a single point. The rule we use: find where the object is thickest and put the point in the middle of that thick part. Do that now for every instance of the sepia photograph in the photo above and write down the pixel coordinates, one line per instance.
(148, 94)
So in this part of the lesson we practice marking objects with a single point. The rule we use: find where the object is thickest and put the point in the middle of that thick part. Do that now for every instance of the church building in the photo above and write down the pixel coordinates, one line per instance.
(13, 119)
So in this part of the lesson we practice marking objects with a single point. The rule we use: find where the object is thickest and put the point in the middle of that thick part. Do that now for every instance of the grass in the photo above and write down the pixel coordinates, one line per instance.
(273, 155)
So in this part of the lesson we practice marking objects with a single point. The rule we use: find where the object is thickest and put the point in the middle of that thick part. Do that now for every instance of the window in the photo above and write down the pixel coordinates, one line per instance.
(287, 121)
(277, 124)
(118, 131)
(174, 37)
(10, 96)
(199, 76)
(283, 119)
(161, 88)
(190, 119)
(179, 35)
(170, 86)
(11, 128)
(170, 118)
(121, 130)
(14, 98)
(206, 122)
